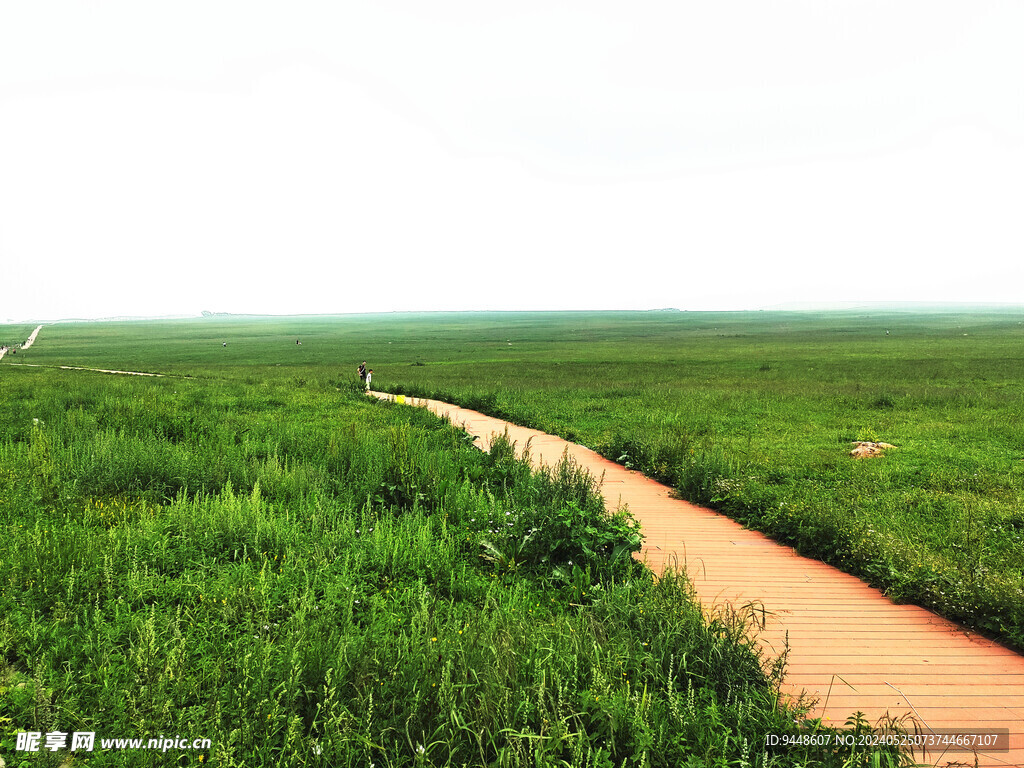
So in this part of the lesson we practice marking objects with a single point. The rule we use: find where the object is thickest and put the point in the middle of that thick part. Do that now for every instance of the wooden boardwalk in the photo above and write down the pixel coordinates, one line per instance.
(849, 646)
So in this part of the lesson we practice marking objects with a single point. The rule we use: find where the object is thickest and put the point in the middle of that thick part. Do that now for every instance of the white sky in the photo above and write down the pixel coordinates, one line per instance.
(314, 157)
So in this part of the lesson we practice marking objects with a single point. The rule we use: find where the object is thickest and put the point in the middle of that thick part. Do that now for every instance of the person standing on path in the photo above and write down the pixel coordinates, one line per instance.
(362, 372)
(369, 375)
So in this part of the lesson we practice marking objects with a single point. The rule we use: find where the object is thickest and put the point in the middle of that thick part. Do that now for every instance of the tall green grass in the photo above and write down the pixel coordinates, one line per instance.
(309, 578)
(754, 414)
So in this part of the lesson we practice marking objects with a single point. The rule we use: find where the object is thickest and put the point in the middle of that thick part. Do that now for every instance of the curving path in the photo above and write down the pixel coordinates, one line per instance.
(850, 647)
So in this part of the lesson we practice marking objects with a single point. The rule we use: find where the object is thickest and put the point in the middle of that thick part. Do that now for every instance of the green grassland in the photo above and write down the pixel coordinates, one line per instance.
(754, 414)
(249, 550)
(751, 413)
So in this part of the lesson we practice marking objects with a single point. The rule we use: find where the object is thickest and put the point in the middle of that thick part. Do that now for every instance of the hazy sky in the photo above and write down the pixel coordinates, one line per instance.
(287, 157)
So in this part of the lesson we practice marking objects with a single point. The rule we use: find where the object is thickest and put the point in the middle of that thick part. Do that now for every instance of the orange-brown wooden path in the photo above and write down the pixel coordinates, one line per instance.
(877, 657)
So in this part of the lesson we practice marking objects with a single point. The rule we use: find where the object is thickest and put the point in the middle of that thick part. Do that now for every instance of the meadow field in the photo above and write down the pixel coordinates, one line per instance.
(256, 564)
(753, 414)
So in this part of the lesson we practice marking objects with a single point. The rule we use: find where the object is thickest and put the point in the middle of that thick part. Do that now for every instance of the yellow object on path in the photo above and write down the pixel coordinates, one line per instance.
(399, 399)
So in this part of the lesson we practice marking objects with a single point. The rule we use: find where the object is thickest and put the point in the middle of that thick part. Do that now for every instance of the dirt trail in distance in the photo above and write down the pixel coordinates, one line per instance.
(32, 338)
(97, 370)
